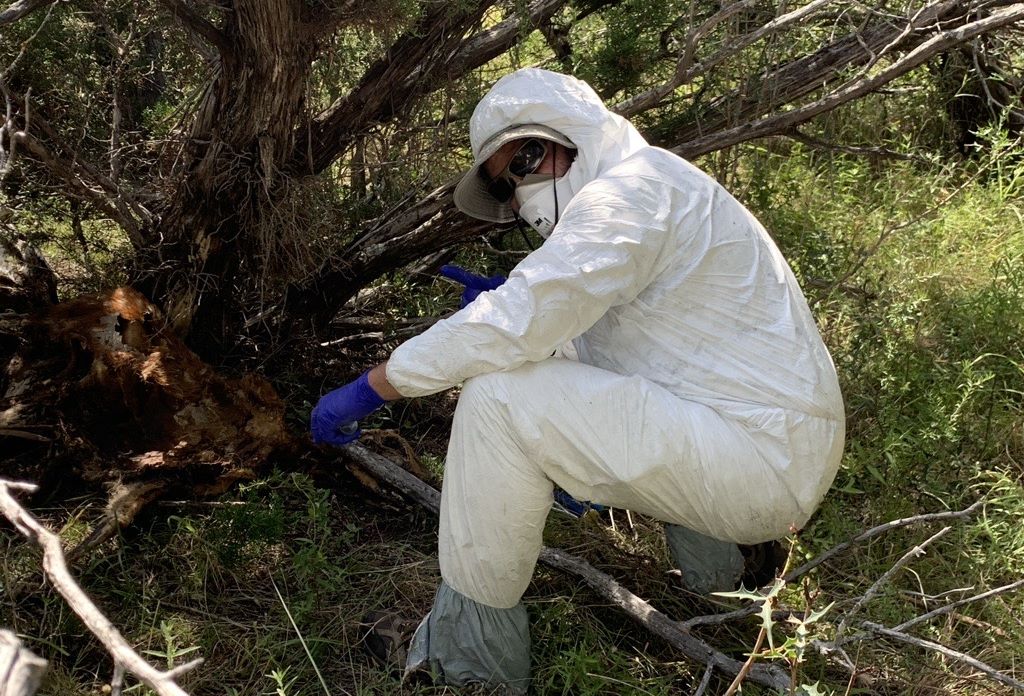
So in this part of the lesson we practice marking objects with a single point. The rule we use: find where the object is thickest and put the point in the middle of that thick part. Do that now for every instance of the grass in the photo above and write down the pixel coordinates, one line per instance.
(268, 582)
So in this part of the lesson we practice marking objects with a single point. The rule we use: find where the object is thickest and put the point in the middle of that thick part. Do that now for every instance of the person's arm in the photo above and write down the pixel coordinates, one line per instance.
(603, 253)
(378, 379)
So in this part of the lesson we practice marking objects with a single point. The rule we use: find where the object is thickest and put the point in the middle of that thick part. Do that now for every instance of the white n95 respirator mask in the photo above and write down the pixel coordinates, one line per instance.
(542, 200)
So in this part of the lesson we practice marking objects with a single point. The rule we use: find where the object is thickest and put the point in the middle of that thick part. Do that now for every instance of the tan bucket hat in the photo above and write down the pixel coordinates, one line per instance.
(471, 195)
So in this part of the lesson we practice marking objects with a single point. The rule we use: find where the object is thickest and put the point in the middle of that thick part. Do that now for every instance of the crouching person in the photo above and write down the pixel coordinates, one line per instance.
(699, 393)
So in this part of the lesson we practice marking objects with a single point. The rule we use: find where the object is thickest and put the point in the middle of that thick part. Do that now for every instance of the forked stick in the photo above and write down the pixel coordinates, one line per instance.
(56, 569)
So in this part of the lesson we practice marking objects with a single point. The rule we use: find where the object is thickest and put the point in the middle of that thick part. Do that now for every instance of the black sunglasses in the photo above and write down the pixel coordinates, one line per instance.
(526, 161)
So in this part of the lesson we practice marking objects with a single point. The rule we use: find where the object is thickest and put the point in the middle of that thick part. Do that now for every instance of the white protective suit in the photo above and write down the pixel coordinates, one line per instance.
(703, 394)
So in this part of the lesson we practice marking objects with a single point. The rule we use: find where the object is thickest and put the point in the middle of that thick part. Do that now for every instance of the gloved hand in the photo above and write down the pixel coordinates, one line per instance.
(335, 418)
(475, 284)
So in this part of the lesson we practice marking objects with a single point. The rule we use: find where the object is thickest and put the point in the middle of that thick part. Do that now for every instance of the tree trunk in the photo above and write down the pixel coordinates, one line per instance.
(230, 175)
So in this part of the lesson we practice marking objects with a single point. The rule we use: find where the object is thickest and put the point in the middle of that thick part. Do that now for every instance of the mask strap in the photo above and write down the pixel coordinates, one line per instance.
(521, 226)
(554, 185)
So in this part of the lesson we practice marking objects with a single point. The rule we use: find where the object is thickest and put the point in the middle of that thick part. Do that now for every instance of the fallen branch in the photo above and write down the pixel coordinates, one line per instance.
(55, 567)
(635, 607)
(957, 604)
(20, 670)
(943, 650)
(886, 576)
(881, 529)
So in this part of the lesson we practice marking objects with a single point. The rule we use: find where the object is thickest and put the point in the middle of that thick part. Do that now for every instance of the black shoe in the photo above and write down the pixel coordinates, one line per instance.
(386, 638)
(761, 563)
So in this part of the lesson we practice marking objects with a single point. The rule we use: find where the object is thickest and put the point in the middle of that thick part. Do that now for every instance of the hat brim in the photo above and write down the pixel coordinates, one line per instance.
(471, 196)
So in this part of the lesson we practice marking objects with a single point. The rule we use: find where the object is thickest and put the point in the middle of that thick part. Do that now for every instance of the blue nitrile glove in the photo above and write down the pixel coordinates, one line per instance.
(335, 418)
(575, 507)
(475, 284)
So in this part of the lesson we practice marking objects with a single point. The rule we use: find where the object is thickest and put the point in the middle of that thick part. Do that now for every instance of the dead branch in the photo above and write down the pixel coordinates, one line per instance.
(636, 608)
(881, 529)
(55, 567)
(20, 671)
(995, 674)
(778, 123)
(21, 8)
(705, 680)
(827, 555)
(957, 604)
(881, 581)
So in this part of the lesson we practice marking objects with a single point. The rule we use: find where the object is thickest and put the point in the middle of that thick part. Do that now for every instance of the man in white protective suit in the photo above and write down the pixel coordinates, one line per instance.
(654, 354)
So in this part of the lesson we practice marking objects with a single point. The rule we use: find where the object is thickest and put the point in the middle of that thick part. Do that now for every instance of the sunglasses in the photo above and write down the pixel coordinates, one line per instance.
(525, 162)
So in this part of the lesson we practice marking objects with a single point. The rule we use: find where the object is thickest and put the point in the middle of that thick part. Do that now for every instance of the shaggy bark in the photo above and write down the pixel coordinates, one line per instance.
(229, 174)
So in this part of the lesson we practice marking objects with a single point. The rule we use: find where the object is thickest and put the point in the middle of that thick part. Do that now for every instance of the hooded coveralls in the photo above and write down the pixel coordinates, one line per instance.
(702, 394)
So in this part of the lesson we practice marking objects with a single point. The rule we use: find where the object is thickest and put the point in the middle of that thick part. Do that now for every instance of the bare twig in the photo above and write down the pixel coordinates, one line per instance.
(943, 650)
(56, 570)
(738, 681)
(959, 603)
(881, 529)
(832, 553)
(881, 581)
(636, 608)
(703, 686)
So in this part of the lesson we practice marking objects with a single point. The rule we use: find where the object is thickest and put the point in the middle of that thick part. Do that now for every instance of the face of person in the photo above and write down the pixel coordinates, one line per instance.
(556, 161)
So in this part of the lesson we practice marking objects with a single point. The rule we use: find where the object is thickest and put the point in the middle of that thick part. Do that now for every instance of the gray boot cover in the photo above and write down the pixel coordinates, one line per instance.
(466, 642)
(708, 565)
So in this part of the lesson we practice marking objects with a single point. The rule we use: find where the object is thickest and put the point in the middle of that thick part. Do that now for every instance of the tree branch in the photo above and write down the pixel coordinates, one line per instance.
(796, 573)
(957, 604)
(491, 43)
(198, 25)
(948, 652)
(21, 8)
(56, 570)
(83, 177)
(419, 62)
(881, 529)
(779, 123)
(636, 608)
